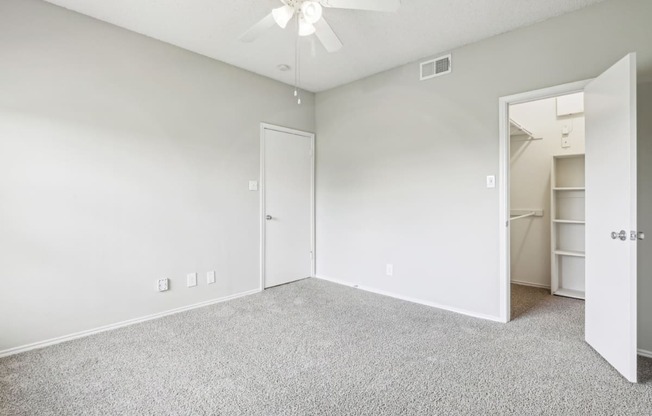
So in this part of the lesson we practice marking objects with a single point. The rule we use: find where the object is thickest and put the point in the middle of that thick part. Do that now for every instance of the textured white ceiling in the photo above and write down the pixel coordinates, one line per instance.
(373, 41)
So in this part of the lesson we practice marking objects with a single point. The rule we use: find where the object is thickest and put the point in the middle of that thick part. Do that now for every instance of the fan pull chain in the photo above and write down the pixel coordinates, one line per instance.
(297, 61)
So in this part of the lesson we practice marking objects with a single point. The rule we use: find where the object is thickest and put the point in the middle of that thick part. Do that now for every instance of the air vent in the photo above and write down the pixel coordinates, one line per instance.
(436, 67)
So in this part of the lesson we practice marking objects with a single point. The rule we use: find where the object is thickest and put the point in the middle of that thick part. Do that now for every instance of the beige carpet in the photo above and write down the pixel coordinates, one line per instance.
(316, 348)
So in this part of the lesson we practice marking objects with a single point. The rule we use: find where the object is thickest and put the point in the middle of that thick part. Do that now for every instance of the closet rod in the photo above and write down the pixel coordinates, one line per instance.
(531, 214)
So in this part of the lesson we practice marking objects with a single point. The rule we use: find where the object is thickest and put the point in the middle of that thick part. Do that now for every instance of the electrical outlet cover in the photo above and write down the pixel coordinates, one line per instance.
(191, 279)
(162, 285)
(210, 277)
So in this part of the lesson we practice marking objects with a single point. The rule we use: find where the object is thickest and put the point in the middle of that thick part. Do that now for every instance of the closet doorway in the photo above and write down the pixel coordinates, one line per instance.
(587, 204)
(547, 194)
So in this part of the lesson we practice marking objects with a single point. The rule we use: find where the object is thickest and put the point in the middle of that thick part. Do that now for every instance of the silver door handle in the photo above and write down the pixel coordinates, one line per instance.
(269, 217)
(622, 235)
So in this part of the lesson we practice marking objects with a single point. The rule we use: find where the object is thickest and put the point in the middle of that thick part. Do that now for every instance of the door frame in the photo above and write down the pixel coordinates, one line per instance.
(262, 189)
(503, 181)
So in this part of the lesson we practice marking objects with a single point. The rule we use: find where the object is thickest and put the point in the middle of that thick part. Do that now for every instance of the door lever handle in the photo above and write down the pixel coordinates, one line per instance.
(268, 217)
(622, 235)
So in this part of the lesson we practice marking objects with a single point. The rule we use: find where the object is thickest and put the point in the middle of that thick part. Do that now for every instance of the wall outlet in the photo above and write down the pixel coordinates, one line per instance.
(565, 142)
(389, 269)
(491, 181)
(210, 277)
(253, 185)
(191, 279)
(162, 285)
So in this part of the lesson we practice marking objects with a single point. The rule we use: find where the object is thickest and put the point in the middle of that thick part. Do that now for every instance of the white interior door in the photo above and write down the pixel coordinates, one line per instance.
(610, 110)
(288, 205)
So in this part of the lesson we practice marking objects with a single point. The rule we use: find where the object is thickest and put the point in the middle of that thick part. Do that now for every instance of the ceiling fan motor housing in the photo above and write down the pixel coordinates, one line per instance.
(311, 11)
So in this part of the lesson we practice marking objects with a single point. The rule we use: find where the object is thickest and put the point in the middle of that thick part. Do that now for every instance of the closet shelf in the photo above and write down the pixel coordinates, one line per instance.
(570, 293)
(570, 253)
(570, 188)
(567, 231)
(569, 221)
(516, 129)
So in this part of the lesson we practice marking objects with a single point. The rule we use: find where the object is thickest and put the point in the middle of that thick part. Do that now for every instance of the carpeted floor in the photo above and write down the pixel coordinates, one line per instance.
(316, 348)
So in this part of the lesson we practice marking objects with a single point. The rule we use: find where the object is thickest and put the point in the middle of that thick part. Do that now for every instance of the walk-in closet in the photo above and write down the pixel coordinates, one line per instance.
(547, 196)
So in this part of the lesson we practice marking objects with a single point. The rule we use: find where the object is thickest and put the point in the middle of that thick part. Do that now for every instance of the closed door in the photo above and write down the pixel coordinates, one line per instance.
(611, 239)
(287, 205)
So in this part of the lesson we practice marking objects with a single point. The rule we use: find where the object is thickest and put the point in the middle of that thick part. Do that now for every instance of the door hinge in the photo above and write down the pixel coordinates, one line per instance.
(634, 235)
(311, 255)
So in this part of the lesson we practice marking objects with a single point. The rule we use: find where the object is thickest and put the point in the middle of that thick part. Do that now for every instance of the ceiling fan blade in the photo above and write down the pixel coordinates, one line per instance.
(374, 5)
(257, 29)
(327, 37)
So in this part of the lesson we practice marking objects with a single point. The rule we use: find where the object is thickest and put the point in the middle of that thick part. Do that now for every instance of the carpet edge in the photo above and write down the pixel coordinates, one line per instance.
(413, 300)
(81, 334)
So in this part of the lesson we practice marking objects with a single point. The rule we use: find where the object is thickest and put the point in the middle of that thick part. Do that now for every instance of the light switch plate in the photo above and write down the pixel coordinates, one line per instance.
(162, 285)
(210, 277)
(491, 181)
(253, 185)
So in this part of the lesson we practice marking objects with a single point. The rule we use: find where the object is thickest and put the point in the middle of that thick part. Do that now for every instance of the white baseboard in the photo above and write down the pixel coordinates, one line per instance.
(413, 300)
(523, 283)
(81, 334)
(645, 353)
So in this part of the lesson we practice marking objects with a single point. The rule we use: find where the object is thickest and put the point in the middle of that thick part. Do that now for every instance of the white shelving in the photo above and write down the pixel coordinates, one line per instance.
(567, 227)
(516, 130)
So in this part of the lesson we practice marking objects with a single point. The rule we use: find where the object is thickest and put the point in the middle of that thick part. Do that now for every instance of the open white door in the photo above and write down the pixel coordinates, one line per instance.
(610, 110)
(288, 172)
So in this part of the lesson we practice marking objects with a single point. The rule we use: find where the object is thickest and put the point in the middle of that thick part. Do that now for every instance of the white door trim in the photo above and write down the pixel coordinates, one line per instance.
(311, 136)
(503, 180)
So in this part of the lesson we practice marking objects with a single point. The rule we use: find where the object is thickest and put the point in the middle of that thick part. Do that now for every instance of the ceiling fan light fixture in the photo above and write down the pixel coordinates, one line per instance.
(305, 28)
(282, 15)
(311, 11)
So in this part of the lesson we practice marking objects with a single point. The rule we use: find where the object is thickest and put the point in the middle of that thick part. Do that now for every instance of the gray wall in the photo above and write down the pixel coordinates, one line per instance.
(402, 163)
(122, 160)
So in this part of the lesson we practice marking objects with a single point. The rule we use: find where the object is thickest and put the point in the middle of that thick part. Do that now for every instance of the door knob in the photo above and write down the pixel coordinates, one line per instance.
(269, 217)
(622, 235)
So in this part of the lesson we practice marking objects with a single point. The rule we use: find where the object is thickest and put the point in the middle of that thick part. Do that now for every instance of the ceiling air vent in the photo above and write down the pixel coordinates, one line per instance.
(436, 67)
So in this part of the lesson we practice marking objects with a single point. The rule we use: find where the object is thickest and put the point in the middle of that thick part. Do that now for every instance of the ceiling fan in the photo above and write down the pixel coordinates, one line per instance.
(310, 20)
